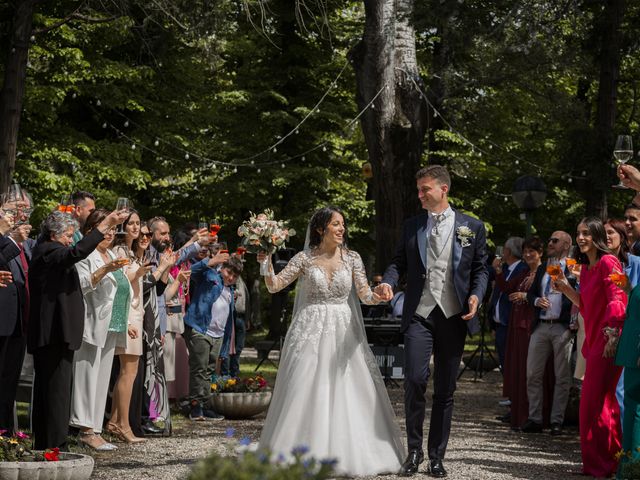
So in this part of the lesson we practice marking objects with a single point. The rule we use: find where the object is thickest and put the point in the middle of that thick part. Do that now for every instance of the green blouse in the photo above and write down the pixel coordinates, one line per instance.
(120, 314)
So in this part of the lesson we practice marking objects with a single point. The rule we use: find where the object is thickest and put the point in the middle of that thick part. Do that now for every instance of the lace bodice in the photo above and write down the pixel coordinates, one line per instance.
(328, 281)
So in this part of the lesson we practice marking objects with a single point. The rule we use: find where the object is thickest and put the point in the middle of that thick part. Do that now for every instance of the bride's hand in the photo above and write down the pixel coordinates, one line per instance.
(262, 256)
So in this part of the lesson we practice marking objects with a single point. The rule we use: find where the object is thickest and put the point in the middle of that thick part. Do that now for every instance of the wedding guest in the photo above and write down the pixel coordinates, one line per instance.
(602, 304)
(106, 292)
(618, 245)
(56, 320)
(150, 400)
(208, 325)
(509, 270)
(15, 253)
(231, 362)
(84, 203)
(519, 332)
(550, 336)
(128, 354)
(632, 227)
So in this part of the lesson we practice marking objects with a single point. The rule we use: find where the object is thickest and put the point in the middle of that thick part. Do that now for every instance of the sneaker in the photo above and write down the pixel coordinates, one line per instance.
(196, 413)
(211, 415)
(505, 403)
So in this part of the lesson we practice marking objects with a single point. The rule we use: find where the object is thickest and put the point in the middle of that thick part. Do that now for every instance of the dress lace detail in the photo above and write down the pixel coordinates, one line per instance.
(329, 394)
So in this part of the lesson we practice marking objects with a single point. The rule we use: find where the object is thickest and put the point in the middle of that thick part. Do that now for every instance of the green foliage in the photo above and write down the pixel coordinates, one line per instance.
(253, 465)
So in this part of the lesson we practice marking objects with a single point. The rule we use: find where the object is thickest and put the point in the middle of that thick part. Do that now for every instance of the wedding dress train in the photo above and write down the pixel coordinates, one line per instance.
(329, 395)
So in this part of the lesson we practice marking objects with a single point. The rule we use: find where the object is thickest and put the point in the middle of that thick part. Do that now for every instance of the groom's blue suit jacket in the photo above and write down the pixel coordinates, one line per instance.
(469, 264)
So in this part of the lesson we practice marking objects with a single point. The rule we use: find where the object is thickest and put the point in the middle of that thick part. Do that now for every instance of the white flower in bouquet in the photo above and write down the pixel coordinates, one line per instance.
(261, 233)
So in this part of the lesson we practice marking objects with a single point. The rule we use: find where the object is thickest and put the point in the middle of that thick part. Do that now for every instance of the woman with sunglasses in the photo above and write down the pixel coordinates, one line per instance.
(150, 385)
(602, 304)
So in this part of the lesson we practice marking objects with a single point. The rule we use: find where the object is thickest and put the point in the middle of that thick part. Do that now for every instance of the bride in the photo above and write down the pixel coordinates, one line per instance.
(329, 395)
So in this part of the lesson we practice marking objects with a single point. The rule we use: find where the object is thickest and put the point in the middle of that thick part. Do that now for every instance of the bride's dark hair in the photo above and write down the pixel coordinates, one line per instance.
(320, 220)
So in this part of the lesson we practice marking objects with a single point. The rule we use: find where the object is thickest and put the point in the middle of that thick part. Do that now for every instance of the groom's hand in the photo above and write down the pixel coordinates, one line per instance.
(384, 292)
(473, 308)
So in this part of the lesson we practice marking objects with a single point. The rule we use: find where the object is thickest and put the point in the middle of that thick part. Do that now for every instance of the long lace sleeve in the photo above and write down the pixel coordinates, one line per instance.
(291, 272)
(360, 279)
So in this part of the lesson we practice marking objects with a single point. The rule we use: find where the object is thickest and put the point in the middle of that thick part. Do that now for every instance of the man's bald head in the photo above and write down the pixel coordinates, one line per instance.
(559, 244)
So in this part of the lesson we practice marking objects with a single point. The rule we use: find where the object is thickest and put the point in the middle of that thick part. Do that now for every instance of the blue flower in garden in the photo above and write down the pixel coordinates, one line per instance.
(307, 463)
(300, 450)
(263, 458)
(244, 441)
(281, 458)
(230, 432)
(331, 462)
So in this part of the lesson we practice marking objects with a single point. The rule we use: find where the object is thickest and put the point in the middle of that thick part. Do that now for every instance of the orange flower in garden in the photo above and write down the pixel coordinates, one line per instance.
(620, 279)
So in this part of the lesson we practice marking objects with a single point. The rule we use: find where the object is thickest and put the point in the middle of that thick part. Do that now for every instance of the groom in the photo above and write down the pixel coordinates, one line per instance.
(443, 254)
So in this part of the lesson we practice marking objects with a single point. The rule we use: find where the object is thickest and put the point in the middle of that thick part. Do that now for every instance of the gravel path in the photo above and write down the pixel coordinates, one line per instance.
(480, 446)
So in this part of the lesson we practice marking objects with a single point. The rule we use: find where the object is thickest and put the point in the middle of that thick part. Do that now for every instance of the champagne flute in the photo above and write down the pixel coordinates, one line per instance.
(121, 204)
(499, 251)
(622, 153)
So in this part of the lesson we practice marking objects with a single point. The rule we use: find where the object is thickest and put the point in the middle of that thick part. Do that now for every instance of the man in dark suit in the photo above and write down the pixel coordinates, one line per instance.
(14, 303)
(442, 252)
(550, 336)
(508, 270)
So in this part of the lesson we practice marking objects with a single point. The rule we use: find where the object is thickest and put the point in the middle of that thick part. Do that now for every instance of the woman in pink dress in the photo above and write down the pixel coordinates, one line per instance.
(602, 304)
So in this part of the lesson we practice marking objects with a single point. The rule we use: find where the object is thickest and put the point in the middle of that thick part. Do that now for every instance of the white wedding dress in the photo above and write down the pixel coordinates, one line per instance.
(329, 395)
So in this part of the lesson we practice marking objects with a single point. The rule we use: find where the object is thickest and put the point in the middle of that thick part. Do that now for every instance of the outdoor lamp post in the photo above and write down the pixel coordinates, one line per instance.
(529, 193)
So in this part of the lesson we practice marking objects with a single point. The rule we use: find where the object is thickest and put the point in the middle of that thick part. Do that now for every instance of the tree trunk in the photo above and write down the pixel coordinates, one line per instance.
(385, 60)
(609, 60)
(12, 93)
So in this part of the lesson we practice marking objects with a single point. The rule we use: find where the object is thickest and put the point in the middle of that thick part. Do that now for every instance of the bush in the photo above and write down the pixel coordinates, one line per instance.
(256, 466)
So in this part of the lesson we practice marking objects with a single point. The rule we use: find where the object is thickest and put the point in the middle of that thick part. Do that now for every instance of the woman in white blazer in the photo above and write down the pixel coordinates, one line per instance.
(103, 284)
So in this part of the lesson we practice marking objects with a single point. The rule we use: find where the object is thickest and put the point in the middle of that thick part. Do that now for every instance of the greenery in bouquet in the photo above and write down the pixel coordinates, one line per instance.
(15, 448)
(262, 233)
(249, 465)
(257, 383)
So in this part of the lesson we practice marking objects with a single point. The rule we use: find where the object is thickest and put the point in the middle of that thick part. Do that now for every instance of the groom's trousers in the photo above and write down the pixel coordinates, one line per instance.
(445, 338)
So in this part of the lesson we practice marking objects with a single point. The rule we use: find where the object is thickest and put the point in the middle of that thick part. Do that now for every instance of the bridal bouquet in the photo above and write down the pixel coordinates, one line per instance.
(261, 233)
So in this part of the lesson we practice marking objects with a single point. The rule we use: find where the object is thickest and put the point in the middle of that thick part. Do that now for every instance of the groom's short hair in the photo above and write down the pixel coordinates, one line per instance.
(438, 172)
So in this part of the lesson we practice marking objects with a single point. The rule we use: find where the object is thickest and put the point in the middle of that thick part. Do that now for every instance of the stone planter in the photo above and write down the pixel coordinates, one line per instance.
(240, 405)
(71, 466)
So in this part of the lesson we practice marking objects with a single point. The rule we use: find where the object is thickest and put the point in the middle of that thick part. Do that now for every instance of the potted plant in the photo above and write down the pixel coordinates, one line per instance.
(240, 398)
(19, 462)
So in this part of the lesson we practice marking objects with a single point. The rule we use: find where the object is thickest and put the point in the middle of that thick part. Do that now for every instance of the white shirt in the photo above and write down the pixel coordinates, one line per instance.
(220, 314)
(445, 226)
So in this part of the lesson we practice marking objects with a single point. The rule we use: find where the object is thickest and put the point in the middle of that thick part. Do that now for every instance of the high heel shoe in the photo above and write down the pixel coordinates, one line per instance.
(124, 435)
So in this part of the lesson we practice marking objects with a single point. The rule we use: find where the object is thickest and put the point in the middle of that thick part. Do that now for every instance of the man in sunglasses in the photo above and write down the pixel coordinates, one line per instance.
(549, 337)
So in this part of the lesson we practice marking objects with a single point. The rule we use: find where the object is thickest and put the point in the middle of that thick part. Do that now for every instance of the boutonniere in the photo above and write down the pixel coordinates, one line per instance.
(465, 234)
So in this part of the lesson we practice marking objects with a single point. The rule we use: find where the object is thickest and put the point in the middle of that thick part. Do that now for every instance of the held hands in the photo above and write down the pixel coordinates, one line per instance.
(21, 232)
(518, 297)
(218, 258)
(629, 176)
(203, 237)
(383, 293)
(6, 223)
(5, 278)
(473, 308)
(132, 332)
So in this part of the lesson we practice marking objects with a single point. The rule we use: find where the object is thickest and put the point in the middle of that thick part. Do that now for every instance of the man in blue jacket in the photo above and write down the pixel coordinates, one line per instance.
(208, 325)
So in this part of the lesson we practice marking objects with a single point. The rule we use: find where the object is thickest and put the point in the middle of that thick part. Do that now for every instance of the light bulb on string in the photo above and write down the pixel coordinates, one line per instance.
(156, 143)
(126, 124)
(282, 165)
(235, 169)
(274, 150)
(259, 170)
(98, 103)
(297, 131)
(253, 162)
(373, 106)
(186, 156)
(133, 147)
(324, 148)
(304, 158)
(570, 180)
(104, 125)
(584, 173)
(74, 95)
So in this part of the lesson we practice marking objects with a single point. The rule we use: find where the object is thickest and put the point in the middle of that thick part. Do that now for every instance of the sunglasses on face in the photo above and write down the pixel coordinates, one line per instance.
(554, 240)
(146, 235)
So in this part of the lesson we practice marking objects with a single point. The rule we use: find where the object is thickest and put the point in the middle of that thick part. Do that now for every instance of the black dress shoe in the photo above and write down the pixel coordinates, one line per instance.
(436, 469)
(149, 427)
(556, 429)
(506, 418)
(531, 427)
(410, 465)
